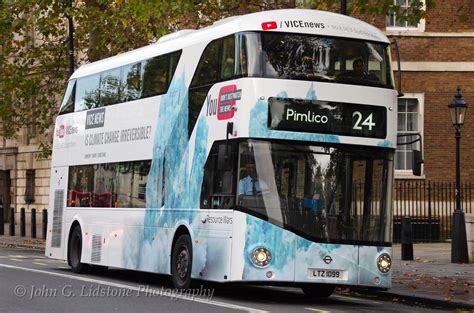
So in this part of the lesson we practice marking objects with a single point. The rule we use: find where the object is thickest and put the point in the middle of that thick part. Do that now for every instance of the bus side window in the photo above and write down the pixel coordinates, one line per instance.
(158, 73)
(130, 82)
(173, 63)
(67, 105)
(241, 56)
(109, 87)
(203, 79)
(113, 185)
(206, 71)
(217, 191)
(154, 76)
(227, 58)
(87, 92)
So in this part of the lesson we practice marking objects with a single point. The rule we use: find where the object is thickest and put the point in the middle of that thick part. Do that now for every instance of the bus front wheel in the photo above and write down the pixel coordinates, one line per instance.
(181, 262)
(75, 251)
(318, 290)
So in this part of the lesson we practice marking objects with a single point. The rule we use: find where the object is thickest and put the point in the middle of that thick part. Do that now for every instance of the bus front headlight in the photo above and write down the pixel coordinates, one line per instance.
(384, 263)
(261, 256)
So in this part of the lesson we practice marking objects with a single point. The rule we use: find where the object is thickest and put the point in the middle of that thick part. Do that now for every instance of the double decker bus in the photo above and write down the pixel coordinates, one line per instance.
(259, 150)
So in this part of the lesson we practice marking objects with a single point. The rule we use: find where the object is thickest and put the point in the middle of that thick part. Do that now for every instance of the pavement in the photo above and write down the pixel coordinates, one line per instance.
(429, 279)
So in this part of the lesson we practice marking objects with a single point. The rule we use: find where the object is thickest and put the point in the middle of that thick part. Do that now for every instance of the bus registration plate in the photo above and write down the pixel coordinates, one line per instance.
(327, 274)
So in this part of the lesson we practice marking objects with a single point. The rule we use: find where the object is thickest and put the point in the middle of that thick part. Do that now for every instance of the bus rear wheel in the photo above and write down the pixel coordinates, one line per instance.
(181, 262)
(318, 290)
(75, 251)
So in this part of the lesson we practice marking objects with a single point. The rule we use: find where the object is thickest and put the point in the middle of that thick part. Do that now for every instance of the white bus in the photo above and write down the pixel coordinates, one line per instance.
(259, 149)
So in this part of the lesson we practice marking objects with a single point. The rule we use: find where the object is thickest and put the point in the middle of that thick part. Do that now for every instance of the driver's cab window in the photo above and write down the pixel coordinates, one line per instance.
(217, 191)
(250, 184)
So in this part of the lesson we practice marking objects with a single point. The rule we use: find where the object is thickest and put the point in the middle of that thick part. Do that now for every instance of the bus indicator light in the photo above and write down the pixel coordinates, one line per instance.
(269, 25)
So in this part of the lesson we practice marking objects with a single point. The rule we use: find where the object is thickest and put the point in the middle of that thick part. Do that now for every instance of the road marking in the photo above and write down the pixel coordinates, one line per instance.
(18, 256)
(317, 310)
(150, 290)
(16, 260)
(355, 299)
(40, 263)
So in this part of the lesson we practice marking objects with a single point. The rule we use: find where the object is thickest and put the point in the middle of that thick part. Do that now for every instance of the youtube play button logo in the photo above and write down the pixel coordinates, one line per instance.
(269, 25)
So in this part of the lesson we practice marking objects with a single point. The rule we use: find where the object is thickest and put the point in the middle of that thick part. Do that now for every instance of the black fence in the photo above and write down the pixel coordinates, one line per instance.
(430, 206)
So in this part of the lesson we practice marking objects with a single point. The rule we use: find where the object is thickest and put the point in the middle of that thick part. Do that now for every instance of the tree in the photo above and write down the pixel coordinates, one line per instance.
(34, 49)
(34, 42)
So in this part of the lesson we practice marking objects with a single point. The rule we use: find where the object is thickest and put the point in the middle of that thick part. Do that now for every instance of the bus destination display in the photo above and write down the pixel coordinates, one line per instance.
(312, 116)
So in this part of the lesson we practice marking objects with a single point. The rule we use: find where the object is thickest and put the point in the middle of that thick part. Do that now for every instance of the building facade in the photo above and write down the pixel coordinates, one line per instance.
(24, 178)
(437, 56)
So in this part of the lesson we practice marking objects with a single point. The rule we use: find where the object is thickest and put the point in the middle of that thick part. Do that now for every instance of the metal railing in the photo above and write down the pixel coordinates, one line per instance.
(430, 206)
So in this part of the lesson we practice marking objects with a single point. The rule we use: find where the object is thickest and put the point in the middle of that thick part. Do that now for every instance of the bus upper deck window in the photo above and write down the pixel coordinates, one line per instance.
(131, 82)
(241, 52)
(109, 87)
(227, 58)
(67, 105)
(248, 51)
(88, 92)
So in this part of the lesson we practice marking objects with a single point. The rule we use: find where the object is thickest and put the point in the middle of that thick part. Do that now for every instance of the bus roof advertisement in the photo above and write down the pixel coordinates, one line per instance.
(228, 95)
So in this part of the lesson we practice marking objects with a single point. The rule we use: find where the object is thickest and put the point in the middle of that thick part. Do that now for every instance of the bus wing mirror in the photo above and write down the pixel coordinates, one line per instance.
(405, 139)
(417, 160)
(224, 159)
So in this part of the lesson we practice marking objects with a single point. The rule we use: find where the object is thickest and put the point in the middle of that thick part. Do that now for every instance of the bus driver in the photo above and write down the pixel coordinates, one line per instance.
(249, 184)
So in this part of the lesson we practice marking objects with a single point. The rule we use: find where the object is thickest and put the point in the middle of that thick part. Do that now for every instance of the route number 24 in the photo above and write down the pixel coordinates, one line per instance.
(367, 122)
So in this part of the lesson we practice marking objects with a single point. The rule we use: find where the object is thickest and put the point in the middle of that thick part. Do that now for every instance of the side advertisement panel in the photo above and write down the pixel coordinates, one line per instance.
(109, 134)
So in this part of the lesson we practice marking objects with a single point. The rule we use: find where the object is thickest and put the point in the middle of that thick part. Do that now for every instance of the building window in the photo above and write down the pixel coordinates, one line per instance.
(394, 22)
(410, 121)
(30, 187)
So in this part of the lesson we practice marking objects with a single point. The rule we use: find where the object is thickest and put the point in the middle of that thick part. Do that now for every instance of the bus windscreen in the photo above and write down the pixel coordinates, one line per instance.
(327, 59)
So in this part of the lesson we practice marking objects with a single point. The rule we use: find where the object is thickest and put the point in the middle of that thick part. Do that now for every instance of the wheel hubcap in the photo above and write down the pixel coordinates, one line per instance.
(182, 263)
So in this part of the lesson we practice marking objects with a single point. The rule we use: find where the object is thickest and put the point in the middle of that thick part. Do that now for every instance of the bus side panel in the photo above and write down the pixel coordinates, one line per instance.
(251, 233)
(57, 231)
(123, 240)
(212, 245)
(369, 275)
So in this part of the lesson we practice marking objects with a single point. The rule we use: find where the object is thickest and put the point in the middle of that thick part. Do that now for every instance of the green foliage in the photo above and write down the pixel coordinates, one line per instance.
(34, 49)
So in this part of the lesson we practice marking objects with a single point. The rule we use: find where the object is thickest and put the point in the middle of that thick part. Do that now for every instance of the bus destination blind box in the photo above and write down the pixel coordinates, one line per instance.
(312, 116)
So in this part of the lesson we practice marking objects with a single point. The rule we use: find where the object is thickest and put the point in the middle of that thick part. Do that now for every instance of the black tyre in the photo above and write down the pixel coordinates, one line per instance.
(318, 290)
(181, 262)
(75, 251)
